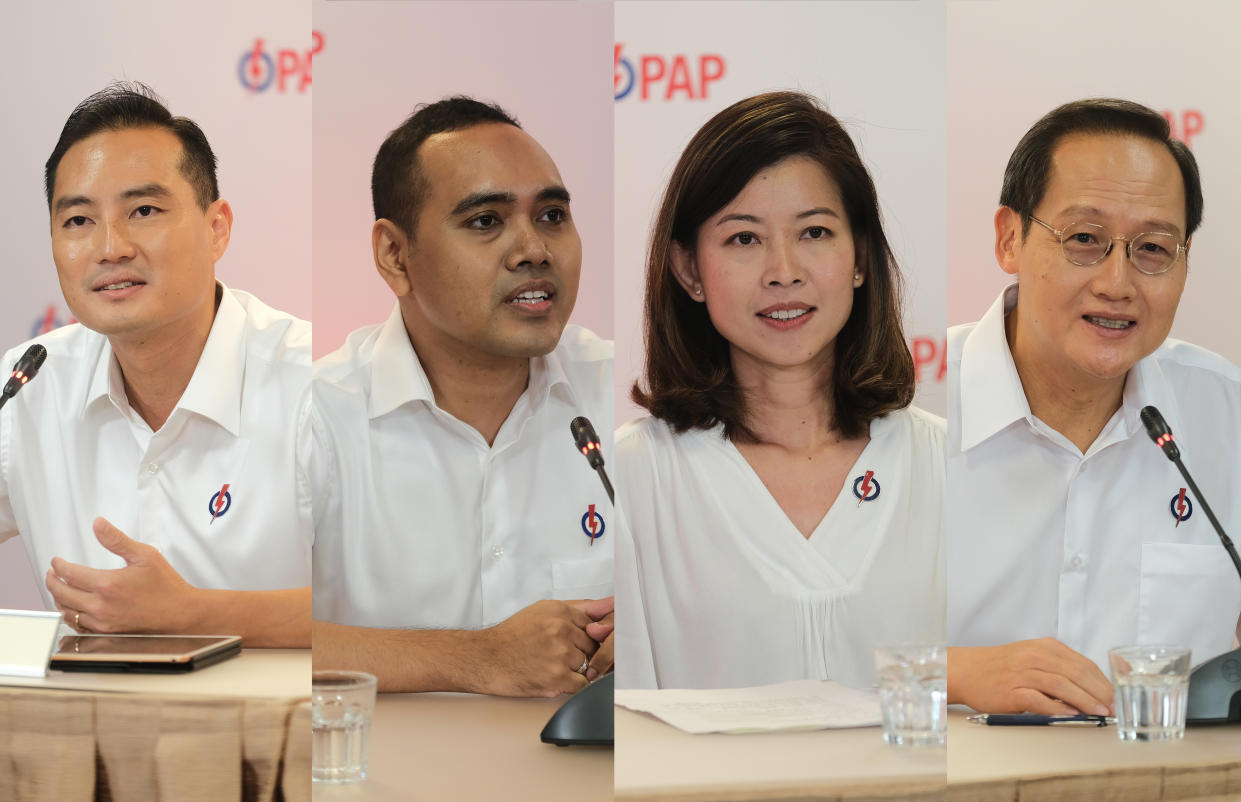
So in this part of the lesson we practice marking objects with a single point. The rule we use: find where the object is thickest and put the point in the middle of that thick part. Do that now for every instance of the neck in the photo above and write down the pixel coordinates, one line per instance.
(1076, 405)
(156, 368)
(788, 407)
(477, 388)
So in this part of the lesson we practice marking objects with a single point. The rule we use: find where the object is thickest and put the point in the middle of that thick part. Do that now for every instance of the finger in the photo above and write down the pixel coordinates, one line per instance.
(600, 630)
(66, 595)
(1031, 701)
(577, 616)
(1060, 687)
(117, 542)
(598, 608)
(74, 619)
(1084, 674)
(82, 577)
(573, 683)
(602, 662)
(582, 642)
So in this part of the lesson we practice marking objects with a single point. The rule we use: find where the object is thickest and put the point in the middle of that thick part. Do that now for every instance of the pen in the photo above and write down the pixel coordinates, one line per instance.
(1033, 720)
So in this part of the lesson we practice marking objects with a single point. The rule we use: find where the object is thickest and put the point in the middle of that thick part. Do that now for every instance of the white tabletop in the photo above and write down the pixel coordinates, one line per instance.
(657, 761)
(255, 673)
(437, 746)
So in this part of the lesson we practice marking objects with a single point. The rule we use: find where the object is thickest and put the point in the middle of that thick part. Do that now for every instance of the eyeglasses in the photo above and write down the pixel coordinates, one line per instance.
(1086, 244)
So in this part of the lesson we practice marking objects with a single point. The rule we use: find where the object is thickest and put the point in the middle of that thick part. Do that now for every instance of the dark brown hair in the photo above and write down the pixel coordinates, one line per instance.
(1029, 167)
(689, 381)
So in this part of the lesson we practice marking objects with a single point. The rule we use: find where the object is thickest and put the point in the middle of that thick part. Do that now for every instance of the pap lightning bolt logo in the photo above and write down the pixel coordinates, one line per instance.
(592, 524)
(220, 503)
(866, 487)
(1181, 507)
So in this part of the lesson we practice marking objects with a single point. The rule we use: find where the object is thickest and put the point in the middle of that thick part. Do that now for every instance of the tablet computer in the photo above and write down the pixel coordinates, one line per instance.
(143, 654)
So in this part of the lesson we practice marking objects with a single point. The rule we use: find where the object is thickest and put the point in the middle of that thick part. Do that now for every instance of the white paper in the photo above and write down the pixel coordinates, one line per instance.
(798, 705)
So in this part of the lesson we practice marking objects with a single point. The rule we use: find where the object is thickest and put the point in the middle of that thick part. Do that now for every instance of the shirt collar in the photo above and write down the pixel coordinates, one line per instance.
(397, 375)
(992, 397)
(215, 387)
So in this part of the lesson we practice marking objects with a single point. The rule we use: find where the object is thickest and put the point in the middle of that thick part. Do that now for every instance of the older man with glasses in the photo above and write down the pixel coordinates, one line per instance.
(1069, 533)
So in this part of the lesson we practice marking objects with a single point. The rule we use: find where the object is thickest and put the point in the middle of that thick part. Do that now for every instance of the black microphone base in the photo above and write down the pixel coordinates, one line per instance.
(1215, 690)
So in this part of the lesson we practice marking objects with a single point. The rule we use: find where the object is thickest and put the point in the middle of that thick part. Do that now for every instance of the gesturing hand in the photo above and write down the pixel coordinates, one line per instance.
(147, 595)
(1036, 676)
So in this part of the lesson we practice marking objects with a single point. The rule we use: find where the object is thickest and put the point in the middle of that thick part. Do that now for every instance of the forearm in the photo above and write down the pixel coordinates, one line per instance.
(407, 659)
(263, 618)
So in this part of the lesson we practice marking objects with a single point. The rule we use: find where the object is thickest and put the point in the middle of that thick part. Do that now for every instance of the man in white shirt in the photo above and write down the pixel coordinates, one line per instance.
(1069, 532)
(149, 467)
(459, 536)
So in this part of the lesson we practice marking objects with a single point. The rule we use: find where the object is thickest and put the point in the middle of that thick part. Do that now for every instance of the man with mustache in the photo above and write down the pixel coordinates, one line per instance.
(150, 466)
(459, 537)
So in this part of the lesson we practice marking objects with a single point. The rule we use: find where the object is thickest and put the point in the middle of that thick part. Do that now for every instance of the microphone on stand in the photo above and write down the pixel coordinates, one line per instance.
(588, 443)
(1214, 686)
(25, 370)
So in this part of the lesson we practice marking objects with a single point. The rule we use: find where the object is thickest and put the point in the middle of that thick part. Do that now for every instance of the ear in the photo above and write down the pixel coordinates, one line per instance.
(1008, 239)
(685, 268)
(390, 246)
(860, 263)
(220, 222)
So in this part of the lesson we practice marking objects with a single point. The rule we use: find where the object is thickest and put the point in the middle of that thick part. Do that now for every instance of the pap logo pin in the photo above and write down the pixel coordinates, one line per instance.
(220, 503)
(866, 487)
(1181, 507)
(592, 524)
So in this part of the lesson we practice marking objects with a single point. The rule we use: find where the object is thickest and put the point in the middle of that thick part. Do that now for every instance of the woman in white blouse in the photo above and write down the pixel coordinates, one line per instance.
(781, 511)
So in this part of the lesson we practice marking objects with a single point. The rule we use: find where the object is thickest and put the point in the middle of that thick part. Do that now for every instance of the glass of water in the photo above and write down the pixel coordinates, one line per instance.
(913, 693)
(342, 703)
(1152, 691)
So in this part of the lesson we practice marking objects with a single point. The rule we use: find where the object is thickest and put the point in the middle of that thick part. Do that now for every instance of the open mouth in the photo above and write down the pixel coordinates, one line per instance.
(1110, 322)
(120, 285)
(784, 314)
(531, 297)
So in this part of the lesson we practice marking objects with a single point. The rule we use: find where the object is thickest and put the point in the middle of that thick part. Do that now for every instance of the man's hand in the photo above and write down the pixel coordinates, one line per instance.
(147, 595)
(601, 629)
(1035, 676)
(537, 651)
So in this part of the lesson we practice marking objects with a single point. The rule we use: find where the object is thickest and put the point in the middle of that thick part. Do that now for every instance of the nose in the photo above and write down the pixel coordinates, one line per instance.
(1113, 277)
(782, 268)
(529, 247)
(114, 243)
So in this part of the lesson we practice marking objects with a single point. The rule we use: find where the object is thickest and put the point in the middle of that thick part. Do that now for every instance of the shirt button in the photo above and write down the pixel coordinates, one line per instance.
(1077, 561)
(153, 467)
(497, 552)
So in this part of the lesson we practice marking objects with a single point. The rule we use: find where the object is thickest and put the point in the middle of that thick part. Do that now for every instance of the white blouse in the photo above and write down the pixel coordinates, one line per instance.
(716, 588)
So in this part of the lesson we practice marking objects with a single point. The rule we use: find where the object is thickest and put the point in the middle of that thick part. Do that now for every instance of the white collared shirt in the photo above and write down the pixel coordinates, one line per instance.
(718, 589)
(419, 523)
(72, 449)
(1048, 542)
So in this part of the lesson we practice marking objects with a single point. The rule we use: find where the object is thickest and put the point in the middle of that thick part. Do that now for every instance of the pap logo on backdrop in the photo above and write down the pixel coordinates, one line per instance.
(665, 77)
(929, 352)
(1186, 124)
(49, 320)
(260, 70)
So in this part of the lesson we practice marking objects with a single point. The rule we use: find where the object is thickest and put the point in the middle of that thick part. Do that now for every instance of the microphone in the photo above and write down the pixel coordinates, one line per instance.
(1214, 686)
(25, 370)
(588, 443)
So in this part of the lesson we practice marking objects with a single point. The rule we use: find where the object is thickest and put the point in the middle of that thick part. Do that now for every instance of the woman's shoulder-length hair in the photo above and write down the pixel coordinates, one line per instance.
(688, 379)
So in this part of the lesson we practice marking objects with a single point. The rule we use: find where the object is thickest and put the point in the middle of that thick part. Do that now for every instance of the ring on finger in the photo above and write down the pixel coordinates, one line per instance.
(585, 664)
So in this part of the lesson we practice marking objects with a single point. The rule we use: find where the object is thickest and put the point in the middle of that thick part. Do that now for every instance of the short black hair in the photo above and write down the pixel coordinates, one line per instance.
(398, 187)
(124, 105)
(1029, 168)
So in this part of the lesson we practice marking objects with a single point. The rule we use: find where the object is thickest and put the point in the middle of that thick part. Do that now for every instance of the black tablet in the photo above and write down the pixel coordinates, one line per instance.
(143, 654)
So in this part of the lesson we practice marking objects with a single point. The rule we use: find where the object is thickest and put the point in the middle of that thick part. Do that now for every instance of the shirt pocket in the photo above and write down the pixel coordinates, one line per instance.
(1189, 596)
(582, 579)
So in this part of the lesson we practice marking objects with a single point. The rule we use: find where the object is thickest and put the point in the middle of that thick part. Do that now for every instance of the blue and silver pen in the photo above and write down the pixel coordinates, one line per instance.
(1034, 720)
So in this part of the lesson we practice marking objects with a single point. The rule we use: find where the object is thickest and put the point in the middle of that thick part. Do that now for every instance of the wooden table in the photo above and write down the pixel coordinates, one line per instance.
(1072, 764)
(438, 746)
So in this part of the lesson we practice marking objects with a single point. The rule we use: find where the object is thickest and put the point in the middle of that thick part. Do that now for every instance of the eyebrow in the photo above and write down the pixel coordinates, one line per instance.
(749, 218)
(151, 190)
(477, 199)
(1150, 225)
